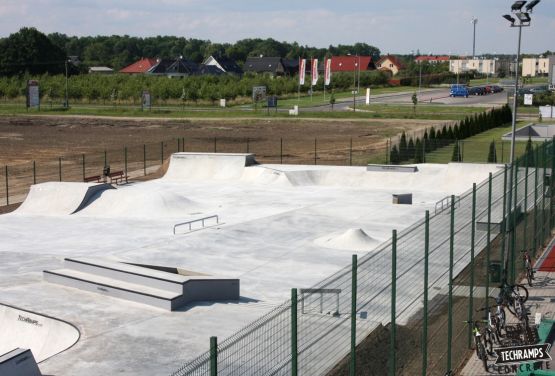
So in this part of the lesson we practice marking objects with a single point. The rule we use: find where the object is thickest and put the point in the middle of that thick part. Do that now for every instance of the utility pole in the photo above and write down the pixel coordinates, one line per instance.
(474, 22)
(66, 105)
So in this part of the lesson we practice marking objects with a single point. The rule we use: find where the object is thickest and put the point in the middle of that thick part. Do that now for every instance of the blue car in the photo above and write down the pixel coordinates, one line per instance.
(459, 91)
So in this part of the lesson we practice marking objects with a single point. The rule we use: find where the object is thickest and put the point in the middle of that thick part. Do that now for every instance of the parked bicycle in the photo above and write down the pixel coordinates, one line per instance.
(528, 266)
(496, 320)
(482, 341)
(512, 296)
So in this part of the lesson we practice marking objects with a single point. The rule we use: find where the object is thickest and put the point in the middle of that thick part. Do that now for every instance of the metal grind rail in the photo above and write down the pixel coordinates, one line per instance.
(201, 220)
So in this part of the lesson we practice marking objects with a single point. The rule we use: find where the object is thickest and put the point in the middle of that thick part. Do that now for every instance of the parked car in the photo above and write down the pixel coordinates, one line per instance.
(496, 89)
(539, 89)
(476, 90)
(459, 91)
(488, 89)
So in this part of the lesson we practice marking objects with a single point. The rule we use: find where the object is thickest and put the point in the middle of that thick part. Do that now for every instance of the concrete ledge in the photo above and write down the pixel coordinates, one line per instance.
(19, 362)
(391, 168)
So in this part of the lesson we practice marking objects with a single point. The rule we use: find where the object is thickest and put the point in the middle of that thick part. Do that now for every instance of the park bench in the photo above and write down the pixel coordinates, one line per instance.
(89, 179)
(117, 177)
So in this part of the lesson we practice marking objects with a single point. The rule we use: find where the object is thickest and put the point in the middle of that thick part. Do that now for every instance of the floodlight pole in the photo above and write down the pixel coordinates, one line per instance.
(474, 22)
(515, 102)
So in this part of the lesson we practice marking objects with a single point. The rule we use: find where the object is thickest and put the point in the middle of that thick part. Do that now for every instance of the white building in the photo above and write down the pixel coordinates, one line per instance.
(532, 67)
(483, 66)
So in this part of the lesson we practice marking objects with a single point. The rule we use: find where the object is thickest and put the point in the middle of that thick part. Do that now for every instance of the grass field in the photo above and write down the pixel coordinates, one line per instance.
(475, 149)
(423, 111)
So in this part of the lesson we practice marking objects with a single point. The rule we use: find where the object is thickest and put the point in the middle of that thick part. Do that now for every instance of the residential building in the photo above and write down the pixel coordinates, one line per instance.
(276, 66)
(432, 59)
(390, 63)
(140, 67)
(351, 63)
(484, 66)
(101, 70)
(179, 67)
(532, 67)
(224, 64)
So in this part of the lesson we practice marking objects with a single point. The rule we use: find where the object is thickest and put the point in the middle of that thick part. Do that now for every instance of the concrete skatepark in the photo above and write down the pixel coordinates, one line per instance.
(279, 226)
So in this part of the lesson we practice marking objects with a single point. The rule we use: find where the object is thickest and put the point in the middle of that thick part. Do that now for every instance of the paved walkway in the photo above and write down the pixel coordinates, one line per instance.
(542, 301)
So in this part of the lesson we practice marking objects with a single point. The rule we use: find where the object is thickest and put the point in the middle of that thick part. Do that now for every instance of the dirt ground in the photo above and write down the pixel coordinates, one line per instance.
(43, 138)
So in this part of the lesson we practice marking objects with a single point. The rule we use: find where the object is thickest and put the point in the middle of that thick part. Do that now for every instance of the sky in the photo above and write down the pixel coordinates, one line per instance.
(394, 26)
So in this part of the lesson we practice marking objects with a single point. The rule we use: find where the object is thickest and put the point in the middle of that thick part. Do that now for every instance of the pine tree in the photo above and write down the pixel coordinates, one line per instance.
(456, 157)
(394, 155)
(403, 147)
(492, 155)
(418, 152)
(529, 153)
(433, 140)
(426, 141)
(410, 149)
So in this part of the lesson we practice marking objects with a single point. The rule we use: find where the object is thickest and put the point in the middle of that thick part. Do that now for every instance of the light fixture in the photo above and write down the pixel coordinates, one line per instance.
(523, 17)
(531, 5)
(517, 5)
(509, 18)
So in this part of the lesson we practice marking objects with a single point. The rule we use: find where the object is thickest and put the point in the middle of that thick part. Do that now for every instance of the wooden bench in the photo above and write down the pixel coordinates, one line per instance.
(89, 179)
(117, 177)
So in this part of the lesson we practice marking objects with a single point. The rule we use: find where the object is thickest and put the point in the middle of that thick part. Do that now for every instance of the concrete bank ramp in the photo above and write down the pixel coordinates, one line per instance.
(208, 166)
(45, 336)
(354, 239)
(60, 198)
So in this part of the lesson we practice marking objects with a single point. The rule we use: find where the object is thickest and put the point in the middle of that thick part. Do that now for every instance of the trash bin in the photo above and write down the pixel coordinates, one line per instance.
(495, 272)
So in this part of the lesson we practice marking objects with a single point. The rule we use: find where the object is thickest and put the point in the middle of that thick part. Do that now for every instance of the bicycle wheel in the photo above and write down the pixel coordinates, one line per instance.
(529, 276)
(520, 291)
(488, 343)
(483, 357)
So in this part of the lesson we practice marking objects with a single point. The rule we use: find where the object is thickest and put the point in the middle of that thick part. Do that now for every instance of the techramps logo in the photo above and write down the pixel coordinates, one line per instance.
(511, 360)
(28, 320)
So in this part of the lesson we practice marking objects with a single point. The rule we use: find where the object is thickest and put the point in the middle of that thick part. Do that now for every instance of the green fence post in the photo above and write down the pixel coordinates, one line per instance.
(248, 146)
(105, 158)
(471, 290)
(536, 167)
(504, 224)
(488, 236)
(393, 329)
(294, 343)
(144, 158)
(525, 238)
(353, 367)
(450, 301)
(183, 144)
(60, 167)
(425, 309)
(215, 144)
(83, 165)
(513, 222)
(315, 150)
(34, 172)
(178, 145)
(351, 152)
(551, 185)
(213, 356)
(7, 186)
(281, 150)
(162, 152)
(125, 157)
(542, 238)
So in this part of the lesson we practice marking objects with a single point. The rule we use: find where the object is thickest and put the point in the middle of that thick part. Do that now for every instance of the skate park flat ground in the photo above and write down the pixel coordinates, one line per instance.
(274, 222)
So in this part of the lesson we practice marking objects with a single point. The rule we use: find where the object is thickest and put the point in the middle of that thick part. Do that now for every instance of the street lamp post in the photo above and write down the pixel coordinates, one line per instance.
(524, 20)
(66, 105)
(474, 22)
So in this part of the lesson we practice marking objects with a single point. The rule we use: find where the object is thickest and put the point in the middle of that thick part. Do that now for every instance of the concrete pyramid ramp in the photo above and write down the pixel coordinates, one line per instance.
(59, 198)
(354, 239)
(44, 336)
(207, 166)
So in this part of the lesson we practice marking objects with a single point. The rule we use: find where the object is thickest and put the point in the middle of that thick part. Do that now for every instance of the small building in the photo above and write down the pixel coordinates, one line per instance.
(140, 67)
(390, 63)
(350, 63)
(491, 67)
(179, 67)
(432, 59)
(536, 66)
(101, 70)
(224, 64)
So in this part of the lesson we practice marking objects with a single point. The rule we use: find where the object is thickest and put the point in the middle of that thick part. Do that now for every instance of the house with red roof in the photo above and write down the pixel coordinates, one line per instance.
(432, 59)
(141, 66)
(351, 63)
(390, 63)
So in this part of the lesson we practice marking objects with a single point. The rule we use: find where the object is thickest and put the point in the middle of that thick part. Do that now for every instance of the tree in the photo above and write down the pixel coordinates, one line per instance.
(403, 147)
(394, 155)
(414, 102)
(456, 157)
(30, 51)
(410, 149)
(529, 153)
(418, 152)
(332, 100)
(492, 155)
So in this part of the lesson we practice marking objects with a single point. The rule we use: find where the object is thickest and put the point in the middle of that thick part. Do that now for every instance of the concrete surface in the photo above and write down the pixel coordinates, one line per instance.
(272, 218)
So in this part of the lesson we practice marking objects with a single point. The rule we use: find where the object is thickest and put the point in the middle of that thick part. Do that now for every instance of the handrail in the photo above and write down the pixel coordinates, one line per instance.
(196, 220)
(445, 203)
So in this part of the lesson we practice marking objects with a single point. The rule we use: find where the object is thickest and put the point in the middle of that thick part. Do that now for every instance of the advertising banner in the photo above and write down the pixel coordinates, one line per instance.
(327, 72)
(302, 71)
(314, 72)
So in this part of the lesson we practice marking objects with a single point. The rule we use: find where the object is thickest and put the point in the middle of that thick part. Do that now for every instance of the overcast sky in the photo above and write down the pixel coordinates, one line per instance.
(394, 26)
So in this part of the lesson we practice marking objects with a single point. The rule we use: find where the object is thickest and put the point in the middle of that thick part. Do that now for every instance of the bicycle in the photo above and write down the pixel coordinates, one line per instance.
(481, 342)
(495, 320)
(528, 265)
(512, 296)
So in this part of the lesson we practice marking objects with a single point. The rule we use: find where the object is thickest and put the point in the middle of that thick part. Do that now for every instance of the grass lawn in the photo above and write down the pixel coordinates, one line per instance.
(475, 149)
(423, 111)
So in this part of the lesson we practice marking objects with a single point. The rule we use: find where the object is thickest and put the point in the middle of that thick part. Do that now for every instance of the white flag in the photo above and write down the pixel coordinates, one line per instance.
(327, 73)
(302, 71)
(314, 72)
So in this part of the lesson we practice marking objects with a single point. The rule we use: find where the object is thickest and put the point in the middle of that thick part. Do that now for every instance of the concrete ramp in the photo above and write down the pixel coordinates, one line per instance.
(60, 198)
(354, 239)
(203, 166)
(45, 336)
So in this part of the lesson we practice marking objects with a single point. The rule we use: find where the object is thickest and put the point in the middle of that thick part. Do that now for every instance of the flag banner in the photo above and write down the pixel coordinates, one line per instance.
(327, 73)
(302, 71)
(314, 71)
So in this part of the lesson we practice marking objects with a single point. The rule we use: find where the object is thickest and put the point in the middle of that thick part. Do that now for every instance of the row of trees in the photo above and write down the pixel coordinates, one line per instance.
(128, 88)
(29, 50)
(415, 148)
(529, 152)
